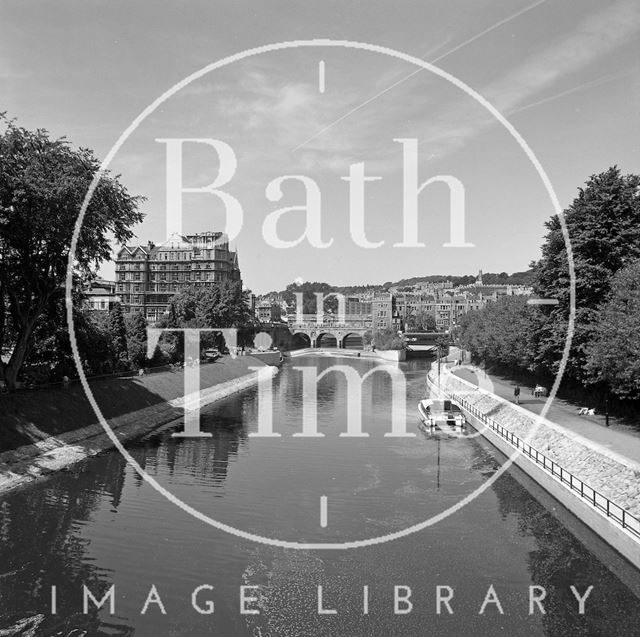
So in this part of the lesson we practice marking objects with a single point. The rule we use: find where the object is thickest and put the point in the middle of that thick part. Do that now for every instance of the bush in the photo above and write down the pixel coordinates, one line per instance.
(388, 339)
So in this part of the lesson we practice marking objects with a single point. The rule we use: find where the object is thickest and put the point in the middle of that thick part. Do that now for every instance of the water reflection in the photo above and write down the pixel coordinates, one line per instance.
(559, 561)
(43, 545)
(101, 524)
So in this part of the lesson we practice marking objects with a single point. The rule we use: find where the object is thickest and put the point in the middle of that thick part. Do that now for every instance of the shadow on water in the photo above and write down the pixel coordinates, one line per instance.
(209, 460)
(101, 524)
(42, 545)
(555, 560)
(568, 553)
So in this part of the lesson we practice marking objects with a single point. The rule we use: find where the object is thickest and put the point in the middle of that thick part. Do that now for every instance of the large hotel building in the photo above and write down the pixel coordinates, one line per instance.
(147, 276)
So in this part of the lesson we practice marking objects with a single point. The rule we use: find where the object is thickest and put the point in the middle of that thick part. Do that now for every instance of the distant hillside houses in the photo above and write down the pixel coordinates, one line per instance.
(405, 307)
(142, 273)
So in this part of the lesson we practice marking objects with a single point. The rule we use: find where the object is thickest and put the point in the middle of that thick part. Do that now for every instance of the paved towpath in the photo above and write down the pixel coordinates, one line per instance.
(618, 437)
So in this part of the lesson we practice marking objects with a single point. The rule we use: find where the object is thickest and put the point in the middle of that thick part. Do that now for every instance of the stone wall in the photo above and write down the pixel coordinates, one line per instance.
(614, 476)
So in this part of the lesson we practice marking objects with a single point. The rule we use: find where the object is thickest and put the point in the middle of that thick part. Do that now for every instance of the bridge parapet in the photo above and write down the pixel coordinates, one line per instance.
(310, 322)
(330, 326)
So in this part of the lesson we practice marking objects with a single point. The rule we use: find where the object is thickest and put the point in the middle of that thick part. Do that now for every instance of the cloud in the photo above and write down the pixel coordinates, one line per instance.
(269, 115)
(574, 89)
(593, 38)
(596, 36)
(397, 81)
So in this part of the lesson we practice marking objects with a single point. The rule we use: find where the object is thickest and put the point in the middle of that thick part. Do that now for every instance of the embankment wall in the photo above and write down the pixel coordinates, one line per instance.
(613, 476)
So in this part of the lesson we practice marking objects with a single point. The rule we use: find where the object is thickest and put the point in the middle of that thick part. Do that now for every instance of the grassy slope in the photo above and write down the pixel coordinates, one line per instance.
(57, 410)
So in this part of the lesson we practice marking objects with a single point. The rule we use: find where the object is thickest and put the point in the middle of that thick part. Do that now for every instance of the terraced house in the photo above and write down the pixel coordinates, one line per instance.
(147, 276)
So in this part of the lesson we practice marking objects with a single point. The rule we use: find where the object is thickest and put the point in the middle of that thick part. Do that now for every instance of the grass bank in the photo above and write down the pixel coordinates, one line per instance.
(57, 410)
(43, 431)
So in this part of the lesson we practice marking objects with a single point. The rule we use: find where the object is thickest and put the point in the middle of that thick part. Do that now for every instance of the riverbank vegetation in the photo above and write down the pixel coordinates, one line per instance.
(603, 225)
(113, 342)
(384, 339)
(43, 183)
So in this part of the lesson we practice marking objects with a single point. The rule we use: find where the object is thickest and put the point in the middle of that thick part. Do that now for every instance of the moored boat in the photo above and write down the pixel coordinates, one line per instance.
(440, 412)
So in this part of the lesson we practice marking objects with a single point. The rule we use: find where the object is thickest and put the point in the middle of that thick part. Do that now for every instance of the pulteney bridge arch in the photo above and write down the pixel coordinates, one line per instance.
(324, 336)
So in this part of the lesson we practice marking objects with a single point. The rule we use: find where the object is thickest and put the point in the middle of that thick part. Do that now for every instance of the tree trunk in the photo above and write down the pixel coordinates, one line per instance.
(18, 356)
(10, 376)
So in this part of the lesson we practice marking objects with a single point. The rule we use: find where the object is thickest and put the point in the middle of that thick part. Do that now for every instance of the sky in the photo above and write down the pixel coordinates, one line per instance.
(565, 74)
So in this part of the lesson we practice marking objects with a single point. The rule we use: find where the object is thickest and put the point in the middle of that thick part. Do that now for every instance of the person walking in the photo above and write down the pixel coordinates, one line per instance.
(516, 394)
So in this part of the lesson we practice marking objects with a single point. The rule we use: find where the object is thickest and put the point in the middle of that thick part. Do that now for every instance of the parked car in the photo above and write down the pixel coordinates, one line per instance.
(211, 354)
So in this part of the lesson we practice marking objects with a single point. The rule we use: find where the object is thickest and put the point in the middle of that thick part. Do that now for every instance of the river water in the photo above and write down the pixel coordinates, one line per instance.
(100, 524)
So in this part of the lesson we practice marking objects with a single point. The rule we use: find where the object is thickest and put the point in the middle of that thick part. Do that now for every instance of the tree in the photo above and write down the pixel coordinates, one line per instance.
(118, 332)
(308, 290)
(387, 339)
(51, 357)
(223, 305)
(136, 326)
(443, 343)
(42, 186)
(421, 321)
(503, 333)
(612, 356)
(604, 227)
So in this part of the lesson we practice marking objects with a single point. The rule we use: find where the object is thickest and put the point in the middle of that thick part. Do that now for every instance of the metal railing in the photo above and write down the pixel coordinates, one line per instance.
(615, 512)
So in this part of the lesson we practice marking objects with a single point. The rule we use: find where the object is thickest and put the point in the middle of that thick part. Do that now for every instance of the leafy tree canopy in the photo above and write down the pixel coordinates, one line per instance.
(223, 305)
(613, 355)
(603, 223)
(43, 182)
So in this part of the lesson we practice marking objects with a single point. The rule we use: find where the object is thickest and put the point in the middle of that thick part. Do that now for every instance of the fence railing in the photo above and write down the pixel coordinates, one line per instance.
(613, 511)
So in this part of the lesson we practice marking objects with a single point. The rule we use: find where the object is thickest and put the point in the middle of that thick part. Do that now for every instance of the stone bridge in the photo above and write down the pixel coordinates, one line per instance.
(330, 333)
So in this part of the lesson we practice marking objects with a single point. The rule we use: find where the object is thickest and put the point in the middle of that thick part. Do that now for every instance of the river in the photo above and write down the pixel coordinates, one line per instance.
(100, 524)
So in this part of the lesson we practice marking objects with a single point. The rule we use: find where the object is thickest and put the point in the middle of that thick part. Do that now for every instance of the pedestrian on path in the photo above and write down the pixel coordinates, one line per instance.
(516, 394)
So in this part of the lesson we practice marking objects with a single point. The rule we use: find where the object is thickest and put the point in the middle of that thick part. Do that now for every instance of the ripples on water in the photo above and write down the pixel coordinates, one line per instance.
(101, 524)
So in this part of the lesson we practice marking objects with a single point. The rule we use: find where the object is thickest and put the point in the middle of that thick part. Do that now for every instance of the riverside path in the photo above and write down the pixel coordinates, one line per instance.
(619, 437)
